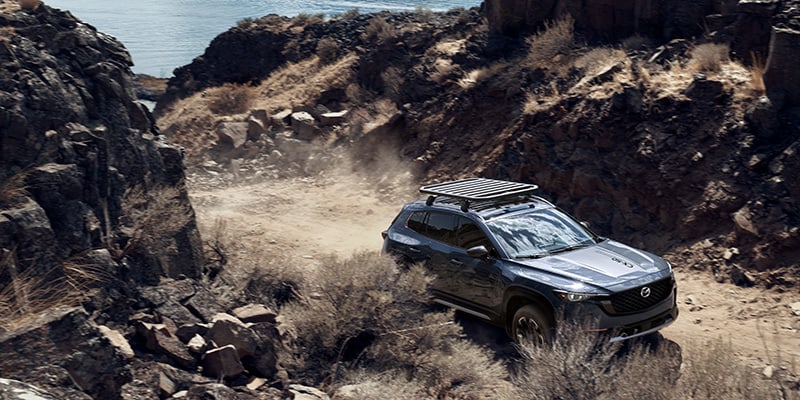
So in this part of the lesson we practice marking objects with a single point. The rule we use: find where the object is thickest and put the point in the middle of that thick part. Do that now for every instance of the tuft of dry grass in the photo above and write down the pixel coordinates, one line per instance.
(30, 292)
(557, 37)
(708, 57)
(13, 189)
(379, 31)
(757, 74)
(230, 99)
(327, 51)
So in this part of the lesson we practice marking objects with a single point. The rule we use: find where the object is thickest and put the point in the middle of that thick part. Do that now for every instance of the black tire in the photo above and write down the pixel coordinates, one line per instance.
(531, 327)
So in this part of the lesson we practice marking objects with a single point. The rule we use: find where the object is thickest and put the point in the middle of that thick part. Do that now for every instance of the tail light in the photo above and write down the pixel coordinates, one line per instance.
(384, 234)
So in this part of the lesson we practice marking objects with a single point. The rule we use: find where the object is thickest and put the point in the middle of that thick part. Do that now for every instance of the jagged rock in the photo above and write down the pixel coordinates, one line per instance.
(186, 332)
(741, 278)
(197, 344)
(781, 74)
(16, 390)
(227, 332)
(64, 337)
(204, 304)
(157, 338)
(795, 307)
(743, 219)
(758, 7)
(255, 128)
(333, 118)
(255, 313)
(233, 134)
(301, 392)
(150, 378)
(70, 119)
(281, 118)
(222, 362)
(304, 125)
(705, 90)
(763, 116)
(117, 340)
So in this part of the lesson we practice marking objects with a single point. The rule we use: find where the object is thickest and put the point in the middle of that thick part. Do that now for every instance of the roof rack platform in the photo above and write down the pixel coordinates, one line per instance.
(477, 189)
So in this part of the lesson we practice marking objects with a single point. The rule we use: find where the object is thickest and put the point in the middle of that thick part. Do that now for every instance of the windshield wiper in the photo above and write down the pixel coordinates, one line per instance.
(570, 247)
(537, 255)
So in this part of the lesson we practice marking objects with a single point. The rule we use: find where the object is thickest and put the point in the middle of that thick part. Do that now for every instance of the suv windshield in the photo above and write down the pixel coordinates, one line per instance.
(539, 233)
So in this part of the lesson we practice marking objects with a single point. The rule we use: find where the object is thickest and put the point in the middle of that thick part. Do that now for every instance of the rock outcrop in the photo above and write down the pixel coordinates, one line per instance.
(75, 145)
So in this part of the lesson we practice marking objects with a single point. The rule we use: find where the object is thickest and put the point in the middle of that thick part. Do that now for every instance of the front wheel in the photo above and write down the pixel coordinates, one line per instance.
(531, 327)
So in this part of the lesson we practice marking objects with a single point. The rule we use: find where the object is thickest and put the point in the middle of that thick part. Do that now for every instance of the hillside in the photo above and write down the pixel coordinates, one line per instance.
(683, 141)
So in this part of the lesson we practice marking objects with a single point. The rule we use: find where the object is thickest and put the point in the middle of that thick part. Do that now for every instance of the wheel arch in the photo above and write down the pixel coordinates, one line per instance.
(516, 298)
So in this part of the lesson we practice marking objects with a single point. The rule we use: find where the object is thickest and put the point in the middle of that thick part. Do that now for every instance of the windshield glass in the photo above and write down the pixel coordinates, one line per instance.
(539, 233)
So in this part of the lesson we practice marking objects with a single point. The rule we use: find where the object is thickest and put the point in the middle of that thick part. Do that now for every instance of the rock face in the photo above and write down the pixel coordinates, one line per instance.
(73, 142)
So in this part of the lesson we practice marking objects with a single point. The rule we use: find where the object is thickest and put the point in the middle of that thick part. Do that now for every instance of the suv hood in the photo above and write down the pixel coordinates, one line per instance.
(604, 264)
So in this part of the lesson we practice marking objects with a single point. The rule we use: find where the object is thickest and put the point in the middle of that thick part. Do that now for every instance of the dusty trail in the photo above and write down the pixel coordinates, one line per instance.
(305, 218)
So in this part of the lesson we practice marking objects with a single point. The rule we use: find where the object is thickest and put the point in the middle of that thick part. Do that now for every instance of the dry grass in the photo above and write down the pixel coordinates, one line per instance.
(327, 51)
(300, 83)
(379, 31)
(558, 37)
(13, 190)
(230, 99)
(366, 317)
(757, 74)
(29, 4)
(708, 57)
(30, 292)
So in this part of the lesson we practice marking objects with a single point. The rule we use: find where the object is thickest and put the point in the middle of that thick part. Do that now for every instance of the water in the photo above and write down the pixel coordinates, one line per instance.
(162, 35)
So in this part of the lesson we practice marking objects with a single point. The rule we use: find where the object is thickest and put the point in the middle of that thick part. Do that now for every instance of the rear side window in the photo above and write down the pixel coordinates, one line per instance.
(435, 225)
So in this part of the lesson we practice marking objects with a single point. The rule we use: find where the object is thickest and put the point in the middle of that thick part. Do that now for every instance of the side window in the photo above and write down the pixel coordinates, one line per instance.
(442, 227)
(416, 222)
(470, 235)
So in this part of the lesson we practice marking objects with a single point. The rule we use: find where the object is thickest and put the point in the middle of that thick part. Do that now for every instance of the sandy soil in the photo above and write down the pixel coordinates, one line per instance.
(305, 218)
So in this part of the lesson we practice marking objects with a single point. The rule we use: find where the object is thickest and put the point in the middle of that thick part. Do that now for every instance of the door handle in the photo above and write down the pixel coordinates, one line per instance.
(414, 250)
(456, 262)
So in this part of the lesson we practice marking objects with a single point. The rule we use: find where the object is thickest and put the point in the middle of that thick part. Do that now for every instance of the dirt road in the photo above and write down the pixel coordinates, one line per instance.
(305, 218)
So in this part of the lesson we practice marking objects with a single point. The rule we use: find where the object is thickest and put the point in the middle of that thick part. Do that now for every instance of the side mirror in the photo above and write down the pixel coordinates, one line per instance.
(586, 225)
(478, 252)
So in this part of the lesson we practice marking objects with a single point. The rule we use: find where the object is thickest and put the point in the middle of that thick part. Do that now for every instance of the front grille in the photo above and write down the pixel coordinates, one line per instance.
(631, 300)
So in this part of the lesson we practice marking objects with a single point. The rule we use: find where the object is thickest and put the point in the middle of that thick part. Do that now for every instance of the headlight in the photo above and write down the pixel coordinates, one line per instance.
(574, 297)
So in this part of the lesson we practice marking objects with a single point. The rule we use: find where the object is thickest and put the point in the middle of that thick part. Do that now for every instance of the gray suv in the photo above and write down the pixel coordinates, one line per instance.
(502, 254)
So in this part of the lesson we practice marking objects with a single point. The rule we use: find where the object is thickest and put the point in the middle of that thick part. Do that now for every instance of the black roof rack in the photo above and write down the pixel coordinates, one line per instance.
(477, 189)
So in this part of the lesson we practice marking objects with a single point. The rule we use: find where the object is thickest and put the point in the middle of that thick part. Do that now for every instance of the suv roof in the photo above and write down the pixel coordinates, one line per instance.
(485, 197)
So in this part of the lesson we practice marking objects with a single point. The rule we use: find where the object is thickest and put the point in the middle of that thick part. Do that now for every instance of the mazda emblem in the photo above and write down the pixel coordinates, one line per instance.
(645, 292)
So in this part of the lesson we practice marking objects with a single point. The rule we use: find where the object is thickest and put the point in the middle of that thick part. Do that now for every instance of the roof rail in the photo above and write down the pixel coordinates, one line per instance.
(477, 189)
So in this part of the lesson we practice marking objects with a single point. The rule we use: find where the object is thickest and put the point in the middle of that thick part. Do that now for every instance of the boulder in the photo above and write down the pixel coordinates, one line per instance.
(304, 125)
(301, 392)
(255, 129)
(222, 362)
(781, 75)
(333, 118)
(64, 337)
(233, 134)
(16, 390)
(204, 303)
(255, 313)
(227, 332)
(116, 339)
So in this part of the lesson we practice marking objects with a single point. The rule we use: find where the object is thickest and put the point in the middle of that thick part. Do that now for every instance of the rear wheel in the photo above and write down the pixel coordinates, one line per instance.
(531, 327)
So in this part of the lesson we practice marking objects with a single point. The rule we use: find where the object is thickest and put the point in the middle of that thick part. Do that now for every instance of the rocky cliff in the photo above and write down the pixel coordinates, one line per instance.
(75, 148)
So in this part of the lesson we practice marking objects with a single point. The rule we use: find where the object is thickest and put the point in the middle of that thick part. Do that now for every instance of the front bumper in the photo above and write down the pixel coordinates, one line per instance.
(645, 327)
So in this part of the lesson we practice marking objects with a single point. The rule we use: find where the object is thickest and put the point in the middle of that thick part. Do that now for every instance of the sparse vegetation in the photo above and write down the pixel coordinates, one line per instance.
(757, 74)
(12, 190)
(379, 30)
(558, 37)
(327, 50)
(230, 99)
(708, 57)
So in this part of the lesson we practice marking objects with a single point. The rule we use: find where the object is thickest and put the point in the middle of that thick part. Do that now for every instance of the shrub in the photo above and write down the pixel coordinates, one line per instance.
(327, 50)
(708, 57)
(230, 98)
(557, 37)
(379, 30)
(29, 4)
(353, 302)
